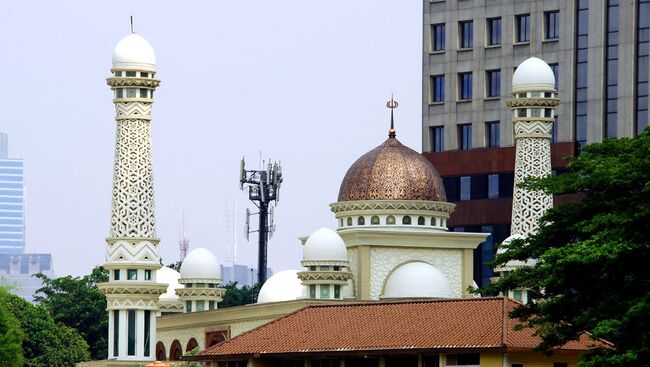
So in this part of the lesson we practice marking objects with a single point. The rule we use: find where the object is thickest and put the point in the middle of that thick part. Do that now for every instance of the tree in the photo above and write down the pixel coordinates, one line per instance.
(78, 303)
(45, 343)
(176, 266)
(592, 272)
(236, 296)
(11, 336)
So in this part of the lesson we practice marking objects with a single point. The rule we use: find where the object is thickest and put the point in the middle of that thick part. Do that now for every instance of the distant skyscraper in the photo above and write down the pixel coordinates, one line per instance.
(16, 271)
(12, 202)
(241, 274)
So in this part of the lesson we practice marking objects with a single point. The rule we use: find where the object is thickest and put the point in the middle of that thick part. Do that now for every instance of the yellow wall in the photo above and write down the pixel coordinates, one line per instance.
(529, 359)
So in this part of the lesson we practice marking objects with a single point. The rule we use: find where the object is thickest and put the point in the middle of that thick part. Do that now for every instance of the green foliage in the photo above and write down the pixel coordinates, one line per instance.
(193, 352)
(236, 296)
(11, 335)
(593, 273)
(176, 266)
(77, 303)
(45, 343)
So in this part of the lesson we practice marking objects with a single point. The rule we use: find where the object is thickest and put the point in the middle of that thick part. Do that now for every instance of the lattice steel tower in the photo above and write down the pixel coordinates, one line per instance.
(132, 257)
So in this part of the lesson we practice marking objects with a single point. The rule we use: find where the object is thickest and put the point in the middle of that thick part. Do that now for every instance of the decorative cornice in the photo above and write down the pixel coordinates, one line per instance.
(532, 102)
(201, 292)
(126, 303)
(199, 280)
(170, 306)
(366, 205)
(325, 275)
(133, 82)
(124, 287)
(306, 263)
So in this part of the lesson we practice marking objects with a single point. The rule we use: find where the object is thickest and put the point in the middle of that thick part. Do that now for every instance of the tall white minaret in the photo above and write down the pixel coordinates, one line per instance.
(132, 247)
(533, 103)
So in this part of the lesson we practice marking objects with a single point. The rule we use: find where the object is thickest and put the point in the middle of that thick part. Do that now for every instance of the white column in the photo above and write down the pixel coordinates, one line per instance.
(110, 334)
(124, 335)
(152, 336)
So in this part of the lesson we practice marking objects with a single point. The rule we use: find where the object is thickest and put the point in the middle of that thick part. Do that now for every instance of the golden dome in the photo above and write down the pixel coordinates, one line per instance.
(392, 171)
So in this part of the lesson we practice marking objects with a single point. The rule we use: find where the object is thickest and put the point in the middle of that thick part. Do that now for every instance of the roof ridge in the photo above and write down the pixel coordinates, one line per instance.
(410, 301)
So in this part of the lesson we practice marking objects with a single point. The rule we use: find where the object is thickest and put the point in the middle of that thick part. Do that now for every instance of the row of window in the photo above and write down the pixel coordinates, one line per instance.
(492, 135)
(11, 163)
(493, 31)
(464, 86)
(477, 187)
(200, 305)
(325, 291)
(390, 220)
(131, 274)
(131, 332)
(133, 93)
(134, 74)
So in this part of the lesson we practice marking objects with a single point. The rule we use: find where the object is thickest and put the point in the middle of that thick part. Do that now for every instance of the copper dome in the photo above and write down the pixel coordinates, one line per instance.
(392, 171)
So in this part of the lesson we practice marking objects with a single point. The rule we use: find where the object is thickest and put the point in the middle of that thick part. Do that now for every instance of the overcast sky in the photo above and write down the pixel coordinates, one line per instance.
(303, 81)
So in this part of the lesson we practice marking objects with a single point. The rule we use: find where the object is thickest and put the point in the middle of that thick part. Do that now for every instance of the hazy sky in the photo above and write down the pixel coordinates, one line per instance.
(303, 81)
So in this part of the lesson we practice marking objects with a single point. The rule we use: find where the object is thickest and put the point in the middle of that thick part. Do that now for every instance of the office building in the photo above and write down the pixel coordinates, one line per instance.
(241, 274)
(599, 53)
(12, 202)
(17, 270)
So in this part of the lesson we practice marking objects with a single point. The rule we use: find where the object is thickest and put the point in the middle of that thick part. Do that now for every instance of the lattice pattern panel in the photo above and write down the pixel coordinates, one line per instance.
(133, 197)
(533, 158)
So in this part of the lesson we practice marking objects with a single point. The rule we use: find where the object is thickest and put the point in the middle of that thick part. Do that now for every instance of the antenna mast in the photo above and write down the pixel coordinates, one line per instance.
(132, 31)
(263, 188)
(183, 243)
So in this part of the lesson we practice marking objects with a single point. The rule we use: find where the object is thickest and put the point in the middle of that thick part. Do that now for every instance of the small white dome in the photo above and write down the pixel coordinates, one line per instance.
(200, 263)
(282, 286)
(324, 244)
(170, 277)
(134, 52)
(416, 280)
(513, 264)
(533, 74)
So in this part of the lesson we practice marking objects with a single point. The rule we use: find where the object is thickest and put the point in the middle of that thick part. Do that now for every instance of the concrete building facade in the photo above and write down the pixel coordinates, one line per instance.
(598, 51)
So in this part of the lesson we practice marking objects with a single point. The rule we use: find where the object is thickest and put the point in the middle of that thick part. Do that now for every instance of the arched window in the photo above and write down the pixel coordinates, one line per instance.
(191, 345)
(215, 337)
(175, 351)
(160, 352)
(349, 221)
(390, 219)
(433, 221)
(341, 222)
(361, 221)
(420, 221)
(406, 219)
(374, 220)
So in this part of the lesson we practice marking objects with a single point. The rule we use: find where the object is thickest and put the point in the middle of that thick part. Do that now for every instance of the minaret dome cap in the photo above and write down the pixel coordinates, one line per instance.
(200, 264)
(324, 245)
(533, 74)
(134, 52)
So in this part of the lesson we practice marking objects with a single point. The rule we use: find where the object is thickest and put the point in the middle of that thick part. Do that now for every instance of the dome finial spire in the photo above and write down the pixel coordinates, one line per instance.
(392, 104)
(132, 31)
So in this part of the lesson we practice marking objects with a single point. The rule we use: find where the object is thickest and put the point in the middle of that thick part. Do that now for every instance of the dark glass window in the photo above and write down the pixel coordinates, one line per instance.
(522, 31)
(406, 220)
(147, 332)
(642, 51)
(116, 274)
(437, 138)
(118, 73)
(493, 186)
(493, 131)
(465, 86)
(479, 187)
(210, 305)
(147, 274)
(144, 75)
(452, 188)
(420, 221)
(552, 25)
(438, 37)
(119, 93)
(431, 361)
(466, 33)
(493, 79)
(401, 361)
(506, 183)
(131, 332)
(188, 306)
(437, 88)
(130, 74)
(465, 136)
(581, 75)
(465, 188)
(143, 92)
(374, 220)
(337, 291)
(611, 70)
(556, 71)
(116, 332)
(132, 274)
(494, 31)
(361, 221)
(463, 359)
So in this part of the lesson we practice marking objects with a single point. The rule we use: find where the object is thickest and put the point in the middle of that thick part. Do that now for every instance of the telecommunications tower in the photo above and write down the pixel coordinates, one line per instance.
(263, 188)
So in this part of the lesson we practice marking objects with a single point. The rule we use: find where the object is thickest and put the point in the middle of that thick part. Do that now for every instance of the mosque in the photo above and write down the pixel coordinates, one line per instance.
(389, 287)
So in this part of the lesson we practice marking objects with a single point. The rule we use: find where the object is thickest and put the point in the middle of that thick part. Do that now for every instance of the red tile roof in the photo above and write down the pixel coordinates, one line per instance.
(478, 323)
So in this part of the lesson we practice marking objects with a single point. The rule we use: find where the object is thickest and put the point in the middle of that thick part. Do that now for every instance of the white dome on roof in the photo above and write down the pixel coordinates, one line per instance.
(533, 74)
(416, 280)
(170, 277)
(200, 264)
(282, 286)
(324, 244)
(134, 52)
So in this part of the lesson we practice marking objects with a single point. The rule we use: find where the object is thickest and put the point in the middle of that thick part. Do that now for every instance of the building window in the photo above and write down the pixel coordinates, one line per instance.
(131, 332)
(465, 188)
(517, 295)
(493, 132)
(552, 25)
(200, 305)
(406, 220)
(493, 85)
(466, 33)
(437, 138)
(611, 69)
(116, 274)
(465, 86)
(116, 333)
(147, 274)
(581, 73)
(438, 37)
(312, 291)
(210, 305)
(147, 333)
(361, 221)
(143, 93)
(118, 73)
(494, 31)
(522, 31)
(144, 75)
(642, 51)
(119, 93)
(463, 359)
(437, 88)
(493, 186)
(337, 291)
(374, 220)
(420, 221)
(132, 274)
(130, 74)
(390, 219)
(465, 136)
(130, 92)
(324, 291)
(556, 73)
(188, 306)
(349, 221)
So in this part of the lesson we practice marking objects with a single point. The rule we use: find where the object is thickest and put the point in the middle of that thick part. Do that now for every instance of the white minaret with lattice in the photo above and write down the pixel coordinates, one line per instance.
(533, 103)
(132, 247)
